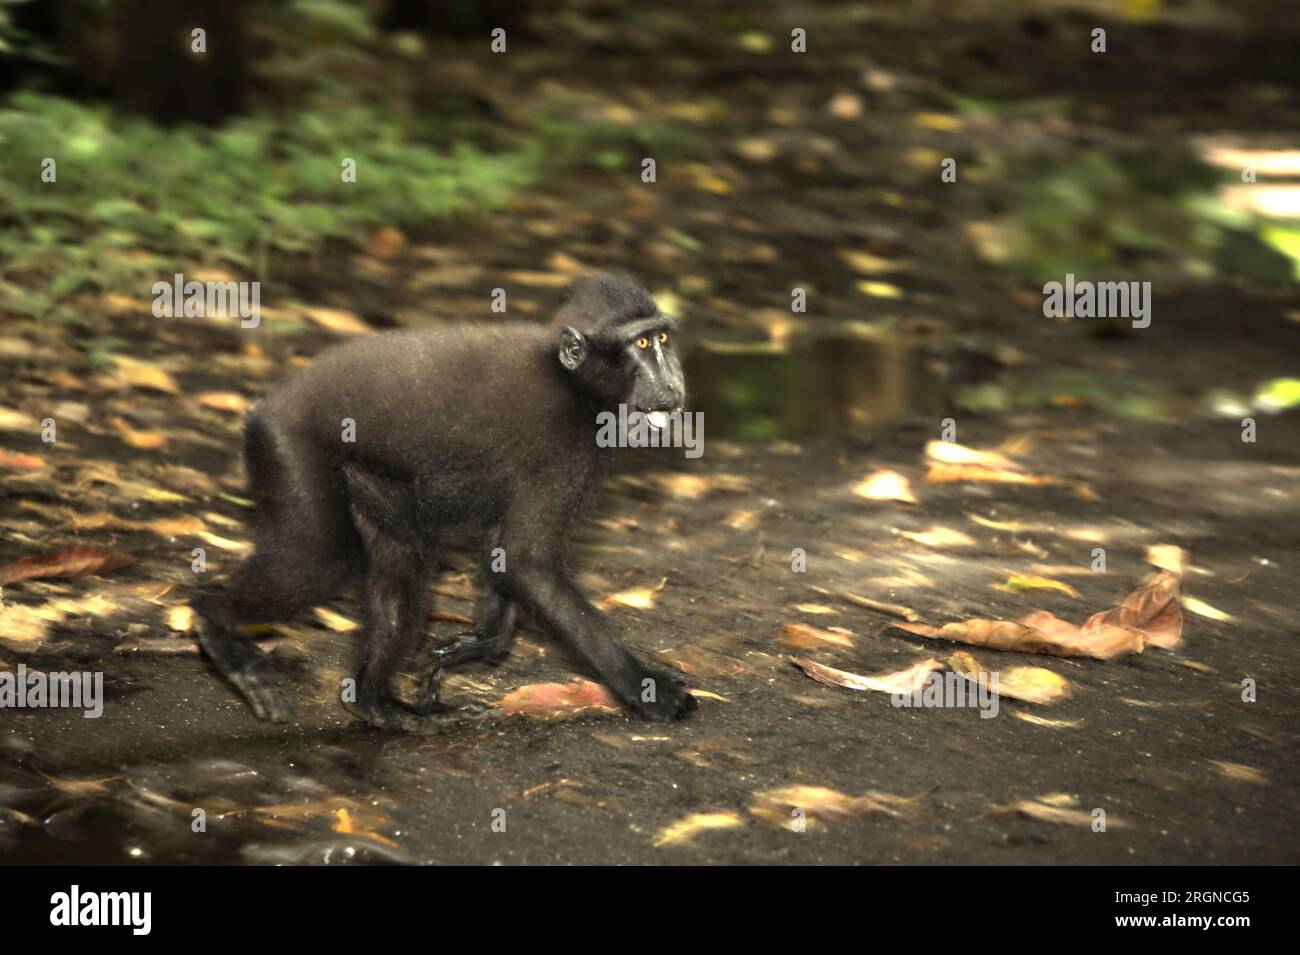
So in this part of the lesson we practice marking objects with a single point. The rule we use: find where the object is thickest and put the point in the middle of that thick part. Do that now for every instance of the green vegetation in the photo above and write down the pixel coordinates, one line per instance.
(133, 200)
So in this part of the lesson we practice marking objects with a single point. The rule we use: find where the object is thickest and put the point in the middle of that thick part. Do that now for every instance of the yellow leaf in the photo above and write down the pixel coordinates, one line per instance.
(1239, 772)
(880, 289)
(139, 374)
(939, 122)
(686, 829)
(1019, 582)
(180, 618)
(1202, 609)
(1044, 721)
(337, 320)
(335, 621)
(1031, 684)
(939, 537)
(640, 598)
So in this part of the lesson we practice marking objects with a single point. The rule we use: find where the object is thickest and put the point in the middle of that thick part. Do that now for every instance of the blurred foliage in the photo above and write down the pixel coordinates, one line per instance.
(133, 200)
(1135, 212)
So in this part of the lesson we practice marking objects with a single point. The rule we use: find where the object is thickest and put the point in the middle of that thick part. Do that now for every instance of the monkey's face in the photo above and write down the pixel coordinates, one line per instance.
(631, 363)
(658, 385)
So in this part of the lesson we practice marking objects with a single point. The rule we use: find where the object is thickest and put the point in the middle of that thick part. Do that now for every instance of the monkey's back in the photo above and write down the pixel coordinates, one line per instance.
(453, 410)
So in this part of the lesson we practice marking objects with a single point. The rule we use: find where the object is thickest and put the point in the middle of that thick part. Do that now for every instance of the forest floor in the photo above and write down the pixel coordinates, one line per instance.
(818, 176)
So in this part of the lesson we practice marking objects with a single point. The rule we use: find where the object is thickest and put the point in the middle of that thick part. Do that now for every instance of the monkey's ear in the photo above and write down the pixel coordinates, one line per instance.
(573, 348)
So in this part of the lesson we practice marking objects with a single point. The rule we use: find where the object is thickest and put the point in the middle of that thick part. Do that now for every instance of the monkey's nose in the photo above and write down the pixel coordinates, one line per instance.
(670, 397)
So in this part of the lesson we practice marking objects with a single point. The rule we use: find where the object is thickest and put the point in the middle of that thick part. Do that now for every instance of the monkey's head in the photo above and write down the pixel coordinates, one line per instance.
(618, 347)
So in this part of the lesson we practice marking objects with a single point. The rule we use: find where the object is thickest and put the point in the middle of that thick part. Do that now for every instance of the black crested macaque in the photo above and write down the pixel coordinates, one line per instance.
(362, 460)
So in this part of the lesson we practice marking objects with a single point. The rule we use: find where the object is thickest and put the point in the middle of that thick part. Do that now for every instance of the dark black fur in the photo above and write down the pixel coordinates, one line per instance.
(490, 428)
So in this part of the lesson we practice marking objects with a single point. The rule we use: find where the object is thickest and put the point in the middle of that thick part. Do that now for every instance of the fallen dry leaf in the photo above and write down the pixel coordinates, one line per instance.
(1152, 609)
(801, 636)
(1168, 557)
(1044, 721)
(16, 461)
(71, 562)
(777, 806)
(909, 680)
(337, 320)
(1202, 609)
(545, 700)
(134, 373)
(11, 419)
(691, 487)
(229, 401)
(335, 621)
(1045, 812)
(686, 829)
(180, 618)
(939, 537)
(894, 610)
(1030, 684)
(1239, 772)
(814, 609)
(1029, 636)
(948, 462)
(885, 486)
(1017, 583)
(143, 440)
(640, 598)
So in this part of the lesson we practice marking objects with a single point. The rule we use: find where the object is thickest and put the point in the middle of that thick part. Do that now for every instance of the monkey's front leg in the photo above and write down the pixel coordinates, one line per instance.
(560, 607)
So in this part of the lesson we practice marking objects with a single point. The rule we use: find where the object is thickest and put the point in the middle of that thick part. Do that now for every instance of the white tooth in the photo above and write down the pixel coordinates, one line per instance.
(657, 419)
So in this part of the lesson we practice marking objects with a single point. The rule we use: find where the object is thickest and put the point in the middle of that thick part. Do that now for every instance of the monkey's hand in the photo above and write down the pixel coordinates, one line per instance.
(663, 696)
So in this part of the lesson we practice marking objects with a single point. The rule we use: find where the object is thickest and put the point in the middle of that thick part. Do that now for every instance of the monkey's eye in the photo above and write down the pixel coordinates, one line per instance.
(663, 338)
(643, 342)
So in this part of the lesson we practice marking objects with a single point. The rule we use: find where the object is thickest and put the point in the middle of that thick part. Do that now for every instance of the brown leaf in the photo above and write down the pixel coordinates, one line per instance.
(1152, 610)
(71, 562)
(544, 700)
(1063, 640)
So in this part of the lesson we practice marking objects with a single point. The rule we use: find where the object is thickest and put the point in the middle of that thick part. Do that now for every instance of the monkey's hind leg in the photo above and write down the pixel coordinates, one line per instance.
(396, 608)
(304, 552)
(489, 642)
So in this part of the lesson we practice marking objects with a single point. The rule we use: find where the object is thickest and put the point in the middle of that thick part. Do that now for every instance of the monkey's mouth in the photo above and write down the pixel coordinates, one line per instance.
(659, 419)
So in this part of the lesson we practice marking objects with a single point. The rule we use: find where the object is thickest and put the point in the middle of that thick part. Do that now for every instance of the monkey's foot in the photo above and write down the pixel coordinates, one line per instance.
(462, 648)
(426, 719)
(259, 688)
